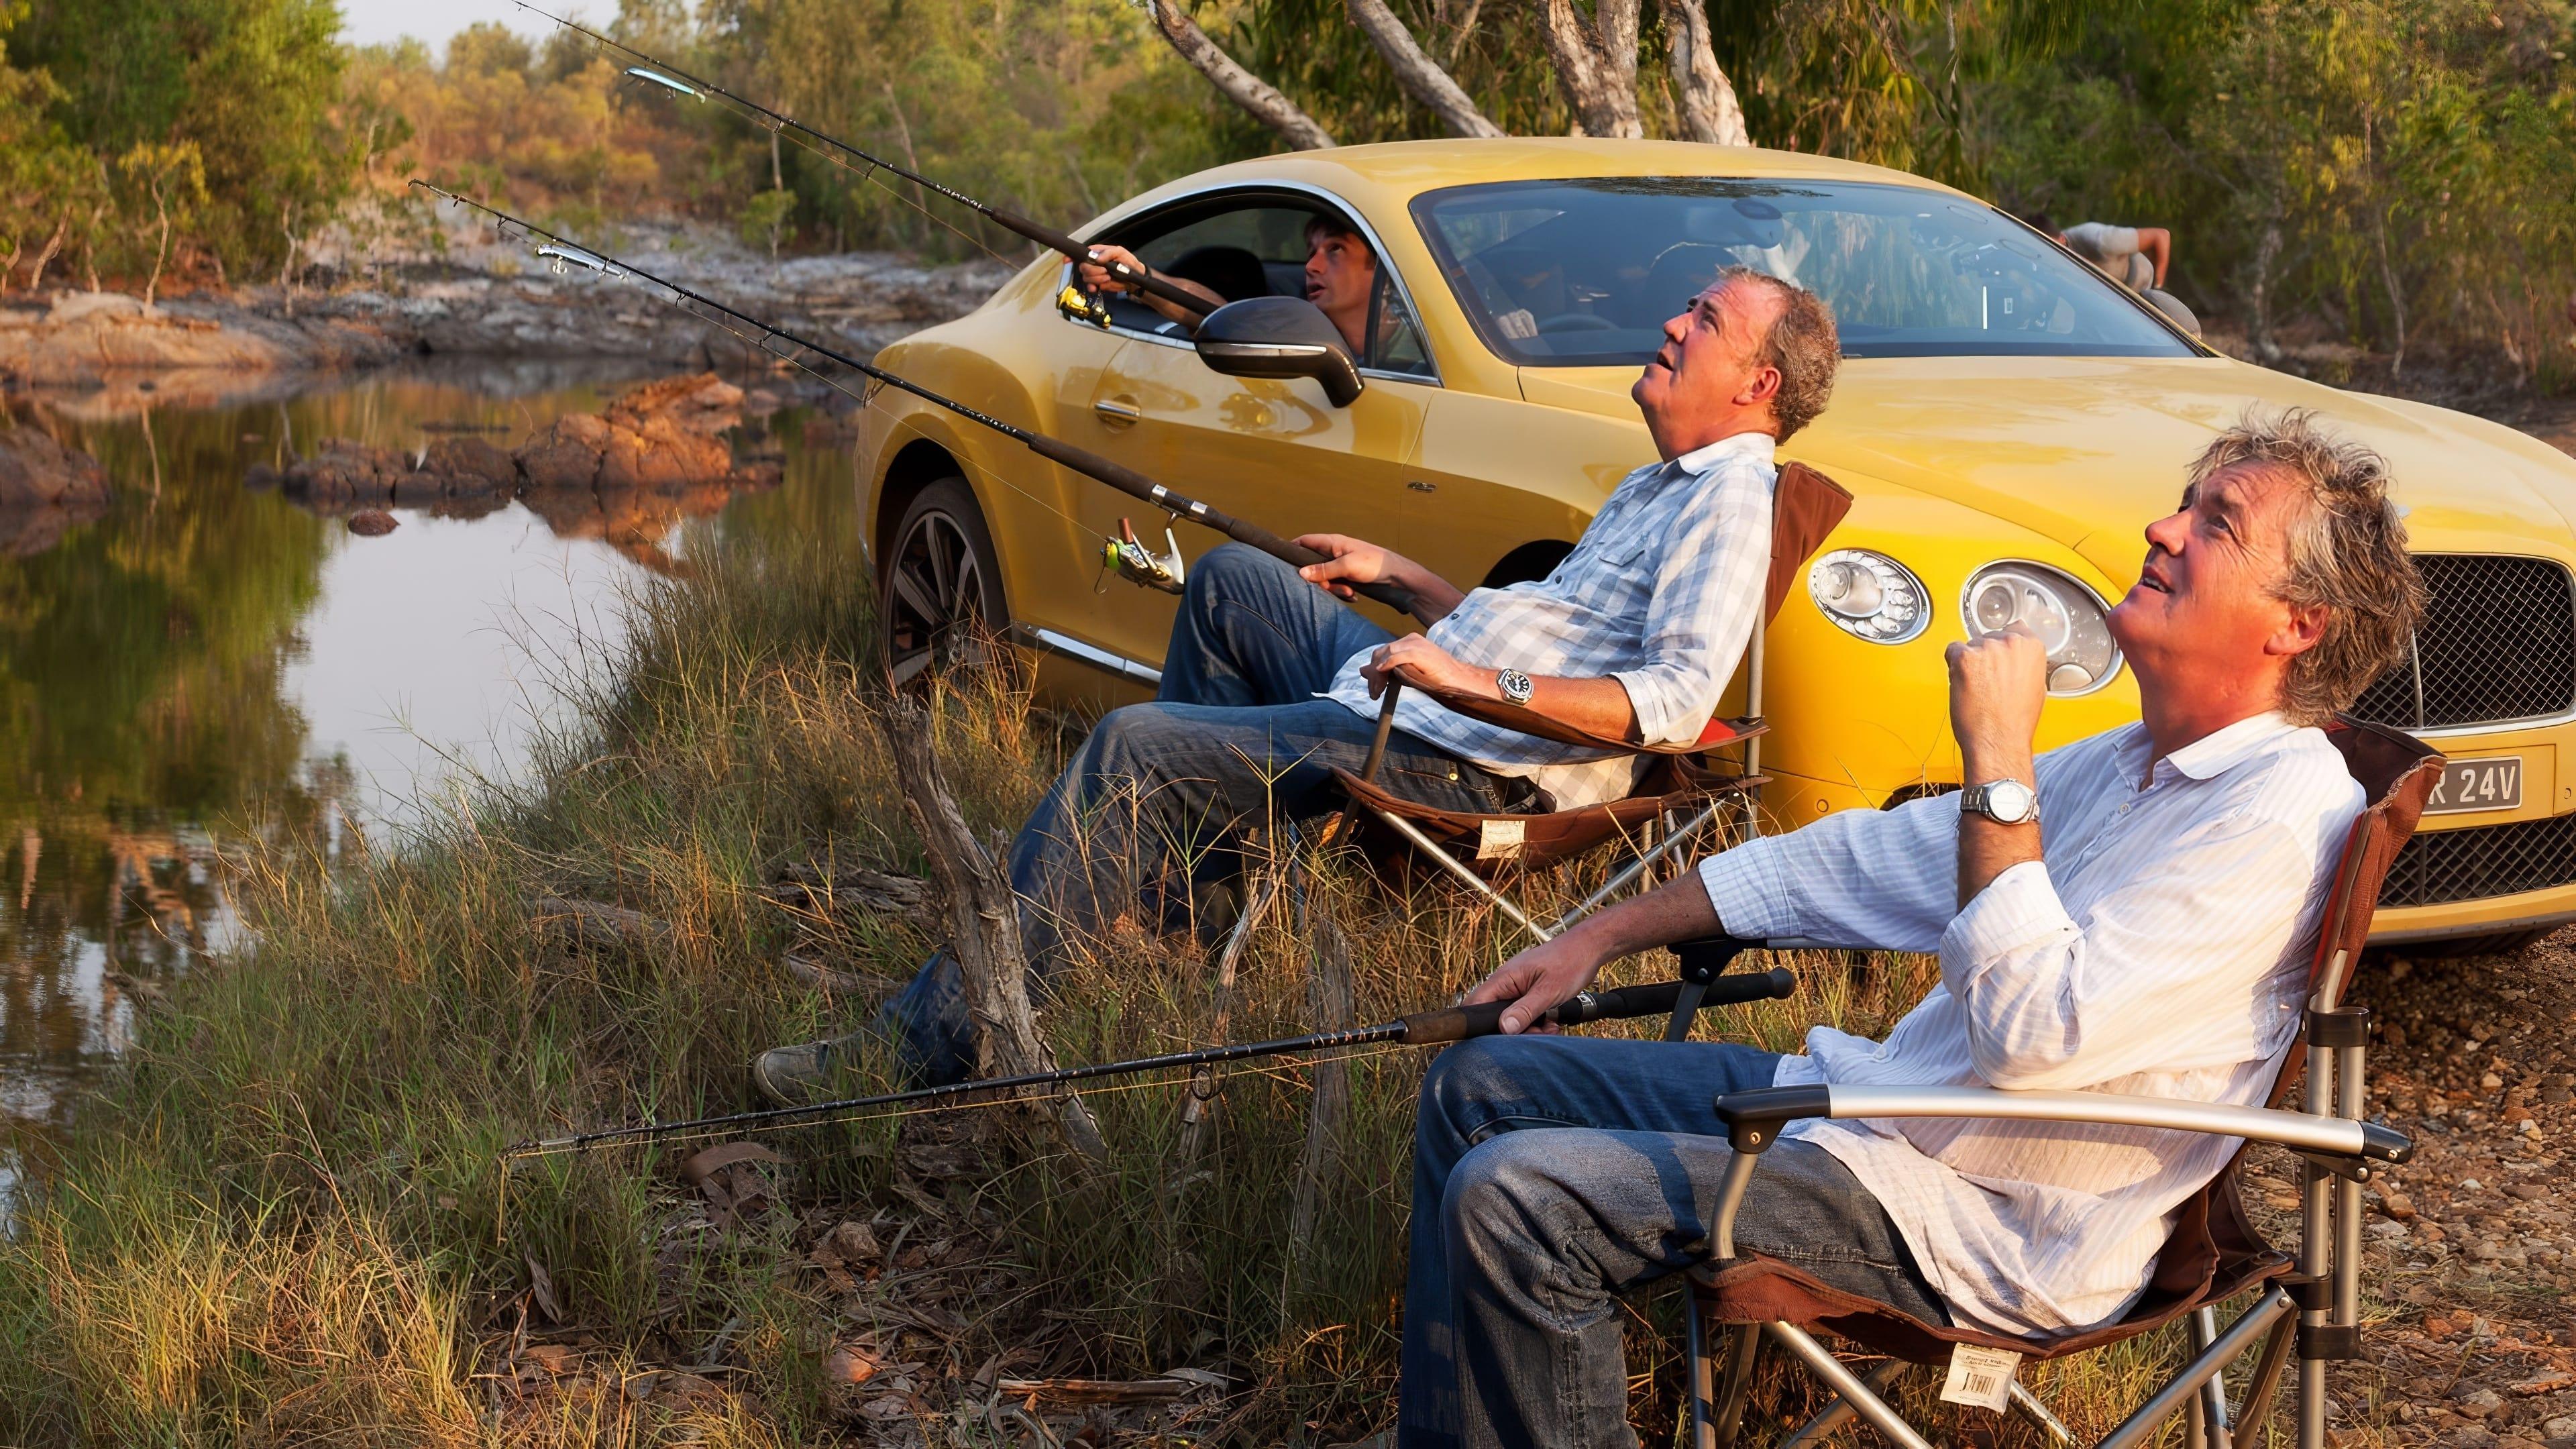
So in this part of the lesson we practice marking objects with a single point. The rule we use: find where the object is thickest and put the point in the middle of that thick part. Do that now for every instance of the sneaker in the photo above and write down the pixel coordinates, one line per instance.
(795, 1076)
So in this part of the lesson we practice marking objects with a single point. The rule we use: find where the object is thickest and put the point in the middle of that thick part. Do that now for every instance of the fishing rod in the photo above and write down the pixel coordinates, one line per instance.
(672, 78)
(563, 250)
(1425, 1028)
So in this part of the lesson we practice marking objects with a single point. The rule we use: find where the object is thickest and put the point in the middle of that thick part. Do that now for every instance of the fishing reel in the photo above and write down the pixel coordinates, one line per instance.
(1082, 306)
(1129, 558)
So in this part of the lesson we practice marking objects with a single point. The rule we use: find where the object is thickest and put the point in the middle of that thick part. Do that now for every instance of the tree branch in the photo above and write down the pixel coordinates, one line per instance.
(985, 916)
(1421, 76)
(1256, 96)
(1596, 64)
(1710, 111)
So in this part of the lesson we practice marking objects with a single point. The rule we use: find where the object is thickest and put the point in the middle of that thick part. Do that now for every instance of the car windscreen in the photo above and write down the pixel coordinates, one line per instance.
(1584, 273)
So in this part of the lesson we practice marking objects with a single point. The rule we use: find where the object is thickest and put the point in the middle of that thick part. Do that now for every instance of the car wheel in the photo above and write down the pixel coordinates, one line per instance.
(942, 586)
(2494, 943)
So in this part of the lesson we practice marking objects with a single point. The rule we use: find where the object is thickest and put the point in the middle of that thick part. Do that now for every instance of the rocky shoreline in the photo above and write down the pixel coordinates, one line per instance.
(207, 349)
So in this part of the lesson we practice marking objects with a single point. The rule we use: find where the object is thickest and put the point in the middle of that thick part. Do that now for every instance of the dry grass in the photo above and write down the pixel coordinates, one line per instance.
(285, 1222)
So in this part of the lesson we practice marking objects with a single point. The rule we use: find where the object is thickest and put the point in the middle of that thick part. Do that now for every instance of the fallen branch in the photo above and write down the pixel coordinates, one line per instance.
(591, 923)
(1329, 999)
(808, 886)
(985, 918)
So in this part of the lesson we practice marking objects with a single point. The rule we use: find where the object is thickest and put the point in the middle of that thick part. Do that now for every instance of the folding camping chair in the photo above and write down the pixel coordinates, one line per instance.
(2213, 1253)
(1682, 783)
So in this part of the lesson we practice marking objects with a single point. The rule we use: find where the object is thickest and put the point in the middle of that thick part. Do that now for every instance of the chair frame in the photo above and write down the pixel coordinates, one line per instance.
(2310, 1308)
(1807, 505)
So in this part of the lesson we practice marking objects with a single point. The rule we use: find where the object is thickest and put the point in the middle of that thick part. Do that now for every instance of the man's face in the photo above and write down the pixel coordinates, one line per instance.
(1709, 363)
(1339, 275)
(2203, 606)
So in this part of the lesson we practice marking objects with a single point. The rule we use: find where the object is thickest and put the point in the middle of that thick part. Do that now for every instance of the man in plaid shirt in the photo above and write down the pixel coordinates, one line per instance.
(1270, 682)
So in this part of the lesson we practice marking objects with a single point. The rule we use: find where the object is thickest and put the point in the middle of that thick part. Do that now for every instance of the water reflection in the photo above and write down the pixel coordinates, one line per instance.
(208, 661)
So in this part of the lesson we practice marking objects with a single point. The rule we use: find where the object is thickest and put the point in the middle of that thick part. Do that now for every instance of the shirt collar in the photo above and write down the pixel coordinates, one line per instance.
(1751, 445)
(2220, 750)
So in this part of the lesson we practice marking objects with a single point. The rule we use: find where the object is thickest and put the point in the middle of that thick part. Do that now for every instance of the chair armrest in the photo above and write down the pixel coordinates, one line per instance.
(1753, 1119)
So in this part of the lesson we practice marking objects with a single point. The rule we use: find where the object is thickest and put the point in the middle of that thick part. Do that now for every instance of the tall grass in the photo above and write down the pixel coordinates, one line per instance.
(286, 1220)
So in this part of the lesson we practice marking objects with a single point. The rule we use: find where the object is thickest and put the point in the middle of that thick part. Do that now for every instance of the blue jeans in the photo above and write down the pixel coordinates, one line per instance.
(1549, 1174)
(1160, 793)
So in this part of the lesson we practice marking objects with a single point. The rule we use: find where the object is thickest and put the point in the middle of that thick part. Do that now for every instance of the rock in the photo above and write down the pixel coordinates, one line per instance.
(2560, 1428)
(372, 523)
(37, 471)
(2396, 1204)
(471, 465)
(345, 473)
(700, 403)
(2480, 1402)
(2491, 1082)
(566, 455)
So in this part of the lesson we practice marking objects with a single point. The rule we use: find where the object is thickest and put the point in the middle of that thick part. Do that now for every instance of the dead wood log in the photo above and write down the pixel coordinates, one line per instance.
(592, 923)
(806, 886)
(985, 918)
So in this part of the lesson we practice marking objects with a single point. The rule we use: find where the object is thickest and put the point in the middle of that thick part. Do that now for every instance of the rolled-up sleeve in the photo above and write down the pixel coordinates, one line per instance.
(1707, 600)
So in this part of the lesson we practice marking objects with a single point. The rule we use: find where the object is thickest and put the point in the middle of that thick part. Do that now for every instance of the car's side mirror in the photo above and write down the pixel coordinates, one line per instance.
(1280, 337)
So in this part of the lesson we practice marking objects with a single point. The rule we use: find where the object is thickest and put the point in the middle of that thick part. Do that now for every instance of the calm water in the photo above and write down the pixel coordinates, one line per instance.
(208, 662)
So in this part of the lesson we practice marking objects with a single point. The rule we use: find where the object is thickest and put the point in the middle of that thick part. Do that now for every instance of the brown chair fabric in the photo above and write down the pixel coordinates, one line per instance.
(1805, 507)
(2213, 1252)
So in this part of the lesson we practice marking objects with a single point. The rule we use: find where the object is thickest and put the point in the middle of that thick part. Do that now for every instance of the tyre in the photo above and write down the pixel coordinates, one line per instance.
(2494, 943)
(941, 586)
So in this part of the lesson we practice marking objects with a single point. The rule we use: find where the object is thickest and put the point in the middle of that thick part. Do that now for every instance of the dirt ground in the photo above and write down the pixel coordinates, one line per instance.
(2473, 1256)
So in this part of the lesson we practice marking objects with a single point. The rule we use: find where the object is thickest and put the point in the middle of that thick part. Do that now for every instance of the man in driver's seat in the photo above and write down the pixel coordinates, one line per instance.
(1341, 278)
(1270, 679)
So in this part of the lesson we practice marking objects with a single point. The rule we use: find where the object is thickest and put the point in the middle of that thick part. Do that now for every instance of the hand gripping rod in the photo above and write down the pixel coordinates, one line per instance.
(1081, 460)
(672, 78)
(1426, 1028)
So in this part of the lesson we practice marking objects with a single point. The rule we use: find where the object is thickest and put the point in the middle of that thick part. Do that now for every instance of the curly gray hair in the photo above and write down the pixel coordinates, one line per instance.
(2347, 554)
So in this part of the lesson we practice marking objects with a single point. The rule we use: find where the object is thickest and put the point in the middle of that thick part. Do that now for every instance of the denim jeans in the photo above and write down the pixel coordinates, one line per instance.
(1549, 1174)
(1160, 793)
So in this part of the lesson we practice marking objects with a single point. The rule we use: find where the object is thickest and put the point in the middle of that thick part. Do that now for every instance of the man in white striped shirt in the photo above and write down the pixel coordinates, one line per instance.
(2132, 913)
(1270, 682)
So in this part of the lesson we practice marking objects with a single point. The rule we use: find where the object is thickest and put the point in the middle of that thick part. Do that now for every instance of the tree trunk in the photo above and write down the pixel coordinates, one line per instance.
(1596, 64)
(1709, 110)
(1254, 95)
(53, 247)
(1421, 76)
(160, 254)
(985, 917)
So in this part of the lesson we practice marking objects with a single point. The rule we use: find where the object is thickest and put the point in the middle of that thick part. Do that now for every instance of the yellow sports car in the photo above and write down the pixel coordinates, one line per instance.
(2007, 419)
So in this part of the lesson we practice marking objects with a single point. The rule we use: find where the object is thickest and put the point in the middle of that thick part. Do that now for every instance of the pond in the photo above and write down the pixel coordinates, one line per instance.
(209, 662)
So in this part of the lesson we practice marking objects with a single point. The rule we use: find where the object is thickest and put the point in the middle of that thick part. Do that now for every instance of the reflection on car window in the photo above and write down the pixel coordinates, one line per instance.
(1585, 272)
(1253, 249)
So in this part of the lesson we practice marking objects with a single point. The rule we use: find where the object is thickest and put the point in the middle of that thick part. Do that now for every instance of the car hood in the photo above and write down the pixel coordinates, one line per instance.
(2088, 451)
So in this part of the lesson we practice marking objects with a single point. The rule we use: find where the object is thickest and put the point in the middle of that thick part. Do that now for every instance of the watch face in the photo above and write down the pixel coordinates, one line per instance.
(2010, 801)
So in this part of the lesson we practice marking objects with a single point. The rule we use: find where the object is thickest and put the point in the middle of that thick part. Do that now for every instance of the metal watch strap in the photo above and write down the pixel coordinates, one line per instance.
(1975, 798)
(1514, 686)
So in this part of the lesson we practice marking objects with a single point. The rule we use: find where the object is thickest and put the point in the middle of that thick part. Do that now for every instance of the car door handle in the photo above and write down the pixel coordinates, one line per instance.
(1118, 412)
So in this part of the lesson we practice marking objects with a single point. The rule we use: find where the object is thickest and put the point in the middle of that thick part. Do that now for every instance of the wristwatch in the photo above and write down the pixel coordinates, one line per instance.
(1515, 686)
(2005, 802)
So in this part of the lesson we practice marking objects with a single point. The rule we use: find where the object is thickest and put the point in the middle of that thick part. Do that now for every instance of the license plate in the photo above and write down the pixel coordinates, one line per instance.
(2494, 783)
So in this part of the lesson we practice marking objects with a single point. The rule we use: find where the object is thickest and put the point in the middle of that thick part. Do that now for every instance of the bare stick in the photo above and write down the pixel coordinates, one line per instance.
(1198, 1111)
(985, 918)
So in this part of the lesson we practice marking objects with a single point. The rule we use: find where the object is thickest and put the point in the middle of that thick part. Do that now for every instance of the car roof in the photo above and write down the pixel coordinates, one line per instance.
(1393, 172)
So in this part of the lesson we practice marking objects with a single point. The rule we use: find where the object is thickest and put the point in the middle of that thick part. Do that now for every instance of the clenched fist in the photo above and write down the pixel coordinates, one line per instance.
(1997, 684)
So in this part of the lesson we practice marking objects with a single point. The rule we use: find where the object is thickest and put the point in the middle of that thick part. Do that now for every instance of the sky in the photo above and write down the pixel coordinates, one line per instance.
(375, 22)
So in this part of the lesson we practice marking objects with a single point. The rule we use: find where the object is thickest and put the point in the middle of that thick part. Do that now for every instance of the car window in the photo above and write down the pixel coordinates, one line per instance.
(1255, 247)
(1584, 273)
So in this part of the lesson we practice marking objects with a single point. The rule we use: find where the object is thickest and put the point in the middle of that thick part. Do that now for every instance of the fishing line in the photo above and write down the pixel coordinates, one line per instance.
(559, 1147)
(672, 78)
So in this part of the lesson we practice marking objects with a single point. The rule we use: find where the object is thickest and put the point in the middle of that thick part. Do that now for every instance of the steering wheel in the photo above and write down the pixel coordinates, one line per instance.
(1576, 322)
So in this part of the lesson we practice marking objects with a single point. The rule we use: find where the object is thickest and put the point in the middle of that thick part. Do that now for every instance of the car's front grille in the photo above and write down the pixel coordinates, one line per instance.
(2498, 643)
(2490, 860)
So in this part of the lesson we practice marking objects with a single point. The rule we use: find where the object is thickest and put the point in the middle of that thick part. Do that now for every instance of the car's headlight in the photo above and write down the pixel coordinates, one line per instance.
(1869, 595)
(2069, 620)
